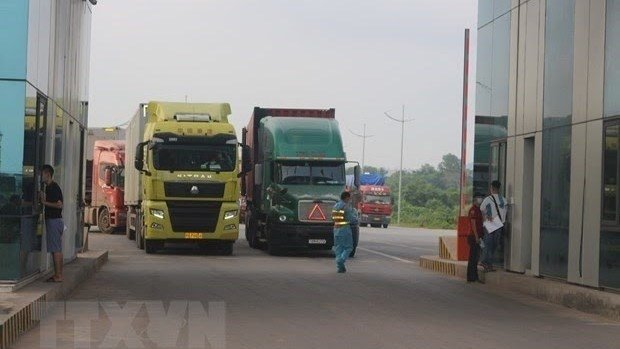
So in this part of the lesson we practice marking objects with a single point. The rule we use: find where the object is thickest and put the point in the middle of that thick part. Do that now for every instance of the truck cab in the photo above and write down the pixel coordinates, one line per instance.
(375, 205)
(188, 183)
(296, 176)
(106, 207)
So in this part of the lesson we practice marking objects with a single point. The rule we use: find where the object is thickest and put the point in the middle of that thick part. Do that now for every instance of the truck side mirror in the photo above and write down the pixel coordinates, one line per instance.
(107, 177)
(356, 176)
(139, 160)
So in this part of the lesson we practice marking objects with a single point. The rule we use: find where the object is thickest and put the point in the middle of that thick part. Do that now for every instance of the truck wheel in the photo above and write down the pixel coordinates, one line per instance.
(251, 231)
(385, 226)
(104, 222)
(140, 241)
(139, 233)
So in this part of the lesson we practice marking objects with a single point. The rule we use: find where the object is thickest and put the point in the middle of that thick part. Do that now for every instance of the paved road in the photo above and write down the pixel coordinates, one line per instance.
(257, 301)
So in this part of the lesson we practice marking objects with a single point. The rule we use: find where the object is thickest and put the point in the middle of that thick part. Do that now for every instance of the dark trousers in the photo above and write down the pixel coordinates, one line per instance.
(474, 255)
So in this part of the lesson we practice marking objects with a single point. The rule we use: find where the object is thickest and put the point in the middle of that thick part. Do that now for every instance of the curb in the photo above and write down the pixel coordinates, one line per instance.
(582, 298)
(29, 304)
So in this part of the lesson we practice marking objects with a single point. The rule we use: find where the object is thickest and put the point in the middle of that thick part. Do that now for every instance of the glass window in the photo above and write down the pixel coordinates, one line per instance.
(610, 175)
(14, 39)
(612, 56)
(500, 7)
(485, 12)
(609, 268)
(492, 91)
(558, 84)
(555, 201)
(214, 158)
(58, 144)
(556, 147)
(296, 172)
(22, 143)
(378, 199)
(488, 10)
(500, 74)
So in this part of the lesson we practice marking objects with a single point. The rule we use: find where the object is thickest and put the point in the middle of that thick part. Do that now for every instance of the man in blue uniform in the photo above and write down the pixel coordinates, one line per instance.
(343, 215)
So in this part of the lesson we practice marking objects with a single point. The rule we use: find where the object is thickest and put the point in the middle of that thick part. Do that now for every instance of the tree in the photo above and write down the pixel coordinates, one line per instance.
(450, 170)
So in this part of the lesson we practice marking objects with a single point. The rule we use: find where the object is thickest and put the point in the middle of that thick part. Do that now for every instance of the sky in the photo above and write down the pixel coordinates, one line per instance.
(362, 58)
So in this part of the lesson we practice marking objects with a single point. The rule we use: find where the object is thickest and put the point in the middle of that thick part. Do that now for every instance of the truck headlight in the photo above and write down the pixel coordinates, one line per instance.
(157, 213)
(230, 214)
(282, 218)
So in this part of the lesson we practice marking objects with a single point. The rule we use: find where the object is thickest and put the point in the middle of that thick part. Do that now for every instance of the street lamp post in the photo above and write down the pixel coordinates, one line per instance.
(363, 136)
(402, 142)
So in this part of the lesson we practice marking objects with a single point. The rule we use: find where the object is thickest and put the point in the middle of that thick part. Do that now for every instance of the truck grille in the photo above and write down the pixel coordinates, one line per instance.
(194, 216)
(315, 211)
(202, 190)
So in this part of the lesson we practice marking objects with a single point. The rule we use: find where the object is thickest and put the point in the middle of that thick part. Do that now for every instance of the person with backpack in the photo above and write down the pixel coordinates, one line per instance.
(494, 210)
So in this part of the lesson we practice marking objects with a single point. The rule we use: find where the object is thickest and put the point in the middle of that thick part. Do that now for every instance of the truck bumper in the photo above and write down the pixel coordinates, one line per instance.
(192, 221)
(301, 236)
(374, 219)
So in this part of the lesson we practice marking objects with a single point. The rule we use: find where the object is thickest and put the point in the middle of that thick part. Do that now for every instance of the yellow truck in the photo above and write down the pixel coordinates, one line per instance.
(183, 186)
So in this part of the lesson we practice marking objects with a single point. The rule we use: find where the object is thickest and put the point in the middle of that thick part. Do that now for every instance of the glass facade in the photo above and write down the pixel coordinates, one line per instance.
(609, 266)
(612, 55)
(609, 261)
(492, 87)
(43, 99)
(556, 141)
(544, 90)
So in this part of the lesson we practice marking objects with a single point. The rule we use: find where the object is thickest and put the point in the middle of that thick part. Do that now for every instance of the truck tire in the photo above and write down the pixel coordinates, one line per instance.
(140, 241)
(385, 226)
(251, 232)
(139, 233)
(103, 221)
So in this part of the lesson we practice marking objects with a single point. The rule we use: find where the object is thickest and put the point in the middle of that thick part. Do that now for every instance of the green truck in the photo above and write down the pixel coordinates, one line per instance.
(296, 174)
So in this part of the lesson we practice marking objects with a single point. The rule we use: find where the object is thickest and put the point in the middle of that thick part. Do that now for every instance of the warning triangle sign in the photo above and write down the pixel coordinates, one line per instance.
(317, 214)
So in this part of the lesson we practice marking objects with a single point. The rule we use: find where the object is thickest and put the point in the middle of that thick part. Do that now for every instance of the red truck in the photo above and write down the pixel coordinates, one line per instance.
(375, 205)
(105, 205)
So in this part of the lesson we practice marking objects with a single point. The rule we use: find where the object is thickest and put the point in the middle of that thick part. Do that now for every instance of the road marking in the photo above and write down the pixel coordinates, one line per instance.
(402, 246)
(386, 255)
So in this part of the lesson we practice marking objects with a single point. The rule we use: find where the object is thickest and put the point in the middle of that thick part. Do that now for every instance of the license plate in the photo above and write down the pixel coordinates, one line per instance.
(317, 241)
(193, 235)
(377, 219)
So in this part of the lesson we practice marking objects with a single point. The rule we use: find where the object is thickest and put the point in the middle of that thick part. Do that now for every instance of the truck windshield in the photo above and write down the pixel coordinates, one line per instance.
(323, 173)
(213, 158)
(377, 199)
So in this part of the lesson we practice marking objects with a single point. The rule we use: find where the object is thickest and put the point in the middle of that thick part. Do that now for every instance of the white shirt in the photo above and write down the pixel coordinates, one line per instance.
(488, 207)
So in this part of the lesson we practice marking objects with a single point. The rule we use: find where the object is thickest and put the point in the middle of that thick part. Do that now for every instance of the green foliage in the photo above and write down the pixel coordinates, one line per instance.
(430, 194)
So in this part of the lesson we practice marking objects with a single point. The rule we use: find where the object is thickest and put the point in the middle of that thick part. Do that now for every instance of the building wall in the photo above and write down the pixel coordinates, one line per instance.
(562, 136)
(43, 105)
